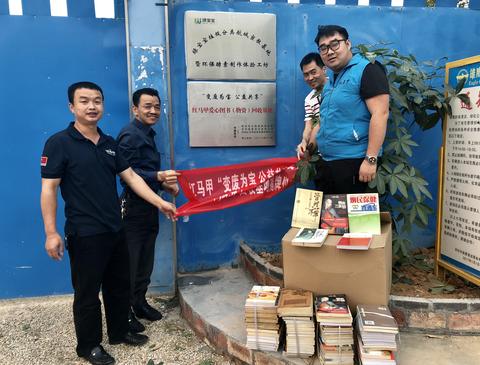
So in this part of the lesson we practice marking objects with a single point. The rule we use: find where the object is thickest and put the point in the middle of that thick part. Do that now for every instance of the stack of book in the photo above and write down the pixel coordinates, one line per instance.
(335, 329)
(377, 331)
(261, 318)
(296, 309)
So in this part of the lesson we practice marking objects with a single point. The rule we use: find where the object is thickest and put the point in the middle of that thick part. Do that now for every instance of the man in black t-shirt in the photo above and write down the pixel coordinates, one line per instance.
(353, 115)
(84, 162)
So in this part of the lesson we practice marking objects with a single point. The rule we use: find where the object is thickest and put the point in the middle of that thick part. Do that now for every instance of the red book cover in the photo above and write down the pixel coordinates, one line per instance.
(354, 242)
(334, 215)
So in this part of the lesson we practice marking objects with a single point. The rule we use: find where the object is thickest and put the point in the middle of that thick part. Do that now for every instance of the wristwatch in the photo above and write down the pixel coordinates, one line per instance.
(372, 160)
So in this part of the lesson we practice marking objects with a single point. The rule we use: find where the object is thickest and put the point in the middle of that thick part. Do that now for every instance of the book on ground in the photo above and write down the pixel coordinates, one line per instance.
(310, 237)
(363, 213)
(334, 215)
(307, 208)
(355, 241)
(332, 304)
(295, 302)
(376, 318)
(262, 296)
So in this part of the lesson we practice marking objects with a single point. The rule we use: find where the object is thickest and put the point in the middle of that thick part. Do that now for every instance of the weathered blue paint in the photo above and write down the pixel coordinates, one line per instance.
(148, 70)
(83, 9)
(211, 240)
(45, 55)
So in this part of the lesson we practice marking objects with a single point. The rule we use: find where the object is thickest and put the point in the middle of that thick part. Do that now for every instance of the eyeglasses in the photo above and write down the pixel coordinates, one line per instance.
(334, 45)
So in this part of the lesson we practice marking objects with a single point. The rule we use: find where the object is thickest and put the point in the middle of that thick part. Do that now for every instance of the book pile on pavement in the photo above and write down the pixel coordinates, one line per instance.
(295, 307)
(335, 329)
(376, 339)
(261, 318)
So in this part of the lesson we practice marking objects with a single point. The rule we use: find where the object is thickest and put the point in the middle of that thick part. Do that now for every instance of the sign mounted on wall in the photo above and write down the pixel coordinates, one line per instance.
(231, 113)
(458, 218)
(230, 45)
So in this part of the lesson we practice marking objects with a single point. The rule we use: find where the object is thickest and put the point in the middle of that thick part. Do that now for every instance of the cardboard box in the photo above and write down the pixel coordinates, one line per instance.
(364, 276)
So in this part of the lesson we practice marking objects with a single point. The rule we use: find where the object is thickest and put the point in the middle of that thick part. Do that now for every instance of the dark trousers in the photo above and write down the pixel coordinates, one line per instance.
(141, 229)
(339, 176)
(99, 261)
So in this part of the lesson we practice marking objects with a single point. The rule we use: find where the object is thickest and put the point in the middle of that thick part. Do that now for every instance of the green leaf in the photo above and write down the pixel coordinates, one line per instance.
(460, 85)
(380, 184)
(402, 188)
(304, 175)
(398, 168)
(422, 214)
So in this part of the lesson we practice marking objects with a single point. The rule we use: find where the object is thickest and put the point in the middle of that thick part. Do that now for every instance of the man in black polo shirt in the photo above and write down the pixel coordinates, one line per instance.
(136, 143)
(83, 161)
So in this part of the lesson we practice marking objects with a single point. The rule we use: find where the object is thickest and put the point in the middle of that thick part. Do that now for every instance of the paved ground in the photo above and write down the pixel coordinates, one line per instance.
(40, 331)
(218, 297)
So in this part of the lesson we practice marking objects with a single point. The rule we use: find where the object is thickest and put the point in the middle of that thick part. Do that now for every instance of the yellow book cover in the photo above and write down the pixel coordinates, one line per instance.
(307, 208)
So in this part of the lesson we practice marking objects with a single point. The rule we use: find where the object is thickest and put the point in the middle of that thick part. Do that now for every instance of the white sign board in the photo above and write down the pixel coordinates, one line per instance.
(230, 45)
(231, 114)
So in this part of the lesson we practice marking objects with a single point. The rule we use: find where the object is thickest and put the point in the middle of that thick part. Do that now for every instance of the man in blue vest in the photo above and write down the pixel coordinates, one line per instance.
(353, 115)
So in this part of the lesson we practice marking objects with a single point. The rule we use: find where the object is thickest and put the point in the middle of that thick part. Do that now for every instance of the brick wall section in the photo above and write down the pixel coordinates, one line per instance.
(442, 316)
(427, 320)
(260, 270)
(469, 322)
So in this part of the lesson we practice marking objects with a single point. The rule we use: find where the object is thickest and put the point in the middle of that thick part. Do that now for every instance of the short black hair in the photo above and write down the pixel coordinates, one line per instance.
(82, 85)
(314, 56)
(330, 30)
(145, 91)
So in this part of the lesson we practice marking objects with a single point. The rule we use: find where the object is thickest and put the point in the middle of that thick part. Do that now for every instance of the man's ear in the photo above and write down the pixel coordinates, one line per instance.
(135, 111)
(70, 106)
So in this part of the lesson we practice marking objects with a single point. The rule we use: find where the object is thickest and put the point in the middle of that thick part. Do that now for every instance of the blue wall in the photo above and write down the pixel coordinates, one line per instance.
(211, 240)
(41, 56)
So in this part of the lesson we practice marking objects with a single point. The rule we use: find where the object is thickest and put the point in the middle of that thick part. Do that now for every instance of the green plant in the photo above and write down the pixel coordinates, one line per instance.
(414, 99)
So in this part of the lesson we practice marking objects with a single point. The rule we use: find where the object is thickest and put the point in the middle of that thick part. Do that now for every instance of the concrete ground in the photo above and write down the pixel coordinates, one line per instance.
(218, 297)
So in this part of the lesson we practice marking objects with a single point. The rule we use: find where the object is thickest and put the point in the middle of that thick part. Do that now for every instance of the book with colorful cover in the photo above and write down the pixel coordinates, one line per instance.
(363, 213)
(307, 208)
(262, 296)
(355, 241)
(334, 213)
(310, 237)
(332, 304)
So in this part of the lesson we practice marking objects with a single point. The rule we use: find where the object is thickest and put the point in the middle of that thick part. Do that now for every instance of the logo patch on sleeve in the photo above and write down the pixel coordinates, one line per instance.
(43, 161)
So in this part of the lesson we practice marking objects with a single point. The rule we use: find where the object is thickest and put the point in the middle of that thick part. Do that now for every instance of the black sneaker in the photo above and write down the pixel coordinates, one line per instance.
(132, 339)
(98, 356)
(146, 311)
(134, 325)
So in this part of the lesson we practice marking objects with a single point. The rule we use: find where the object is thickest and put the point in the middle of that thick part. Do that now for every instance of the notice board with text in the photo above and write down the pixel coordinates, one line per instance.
(458, 218)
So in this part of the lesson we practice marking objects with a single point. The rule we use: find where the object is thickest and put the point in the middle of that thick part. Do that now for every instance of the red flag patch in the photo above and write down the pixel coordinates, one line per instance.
(43, 161)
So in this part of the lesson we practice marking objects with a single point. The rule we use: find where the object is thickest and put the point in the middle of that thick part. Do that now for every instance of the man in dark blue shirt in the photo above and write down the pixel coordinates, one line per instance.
(136, 143)
(84, 162)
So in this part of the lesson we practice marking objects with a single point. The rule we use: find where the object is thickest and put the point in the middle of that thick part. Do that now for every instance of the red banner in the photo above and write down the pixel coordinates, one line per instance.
(215, 188)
